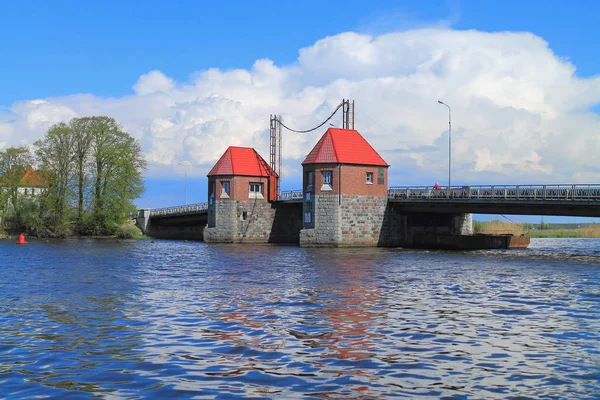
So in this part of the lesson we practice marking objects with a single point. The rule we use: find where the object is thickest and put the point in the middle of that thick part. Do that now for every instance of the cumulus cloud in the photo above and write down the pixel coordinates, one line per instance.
(520, 114)
(152, 82)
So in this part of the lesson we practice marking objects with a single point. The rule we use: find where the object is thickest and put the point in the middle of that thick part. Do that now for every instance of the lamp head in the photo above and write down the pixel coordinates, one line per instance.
(439, 101)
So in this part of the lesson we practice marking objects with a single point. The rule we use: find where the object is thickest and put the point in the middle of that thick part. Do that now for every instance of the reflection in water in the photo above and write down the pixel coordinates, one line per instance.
(174, 319)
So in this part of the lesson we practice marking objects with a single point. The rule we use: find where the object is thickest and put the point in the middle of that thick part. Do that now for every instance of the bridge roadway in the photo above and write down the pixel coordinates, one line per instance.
(563, 200)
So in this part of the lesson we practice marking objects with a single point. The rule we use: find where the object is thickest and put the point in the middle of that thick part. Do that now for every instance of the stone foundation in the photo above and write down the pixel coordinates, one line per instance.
(345, 221)
(254, 221)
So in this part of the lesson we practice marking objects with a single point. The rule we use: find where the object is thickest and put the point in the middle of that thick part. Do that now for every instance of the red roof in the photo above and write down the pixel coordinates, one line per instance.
(343, 146)
(20, 176)
(241, 161)
(32, 178)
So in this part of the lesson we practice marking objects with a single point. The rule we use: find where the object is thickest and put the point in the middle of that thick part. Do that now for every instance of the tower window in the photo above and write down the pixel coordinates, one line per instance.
(256, 191)
(225, 188)
(327, 180)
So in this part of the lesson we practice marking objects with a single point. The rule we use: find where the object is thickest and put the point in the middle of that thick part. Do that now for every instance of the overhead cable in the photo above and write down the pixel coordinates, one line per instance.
(315, 128)
(516, 223)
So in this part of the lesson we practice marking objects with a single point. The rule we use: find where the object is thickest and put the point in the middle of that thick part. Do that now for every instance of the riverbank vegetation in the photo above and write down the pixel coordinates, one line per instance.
(496, 227)
(86, 174)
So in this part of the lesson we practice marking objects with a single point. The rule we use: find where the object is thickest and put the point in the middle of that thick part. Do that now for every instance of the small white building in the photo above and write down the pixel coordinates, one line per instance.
(29, 182)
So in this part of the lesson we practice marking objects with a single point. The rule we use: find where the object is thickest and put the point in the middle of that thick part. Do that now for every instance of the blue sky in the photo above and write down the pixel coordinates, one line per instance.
(64, 47)
(56, 50)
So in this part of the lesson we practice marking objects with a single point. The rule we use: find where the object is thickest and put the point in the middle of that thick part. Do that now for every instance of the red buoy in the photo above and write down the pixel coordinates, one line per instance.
(21, 239)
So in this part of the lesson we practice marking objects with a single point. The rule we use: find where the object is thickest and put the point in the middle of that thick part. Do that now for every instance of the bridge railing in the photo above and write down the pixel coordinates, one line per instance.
(287, 195)
(188, 208)
(581, 192)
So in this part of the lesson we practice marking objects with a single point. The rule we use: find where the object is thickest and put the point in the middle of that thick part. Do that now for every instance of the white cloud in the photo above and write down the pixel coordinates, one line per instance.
(152, 82)
(519, 112)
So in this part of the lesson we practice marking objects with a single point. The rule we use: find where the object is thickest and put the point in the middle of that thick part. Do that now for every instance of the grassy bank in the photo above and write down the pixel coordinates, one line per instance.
(501, 228)
(585, 232)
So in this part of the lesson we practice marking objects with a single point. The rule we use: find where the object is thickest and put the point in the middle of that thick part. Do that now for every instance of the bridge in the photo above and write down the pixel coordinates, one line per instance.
(561, 200)
(413, 216)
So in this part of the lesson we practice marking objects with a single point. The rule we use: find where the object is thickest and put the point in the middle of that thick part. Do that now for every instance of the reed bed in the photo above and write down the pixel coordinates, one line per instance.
(507, 228)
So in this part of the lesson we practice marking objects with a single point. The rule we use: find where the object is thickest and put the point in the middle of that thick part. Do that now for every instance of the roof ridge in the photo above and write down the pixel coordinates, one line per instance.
(322, 143)
(335, 153)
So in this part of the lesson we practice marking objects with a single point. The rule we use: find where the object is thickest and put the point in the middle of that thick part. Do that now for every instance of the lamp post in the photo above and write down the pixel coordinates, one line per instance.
(449, 143)
(184, 184)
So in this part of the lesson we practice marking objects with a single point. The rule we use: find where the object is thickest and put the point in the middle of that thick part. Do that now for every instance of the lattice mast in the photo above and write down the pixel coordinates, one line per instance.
(275, 149)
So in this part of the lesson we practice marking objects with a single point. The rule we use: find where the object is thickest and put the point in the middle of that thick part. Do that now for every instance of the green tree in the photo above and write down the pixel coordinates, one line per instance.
(117, 166)
(55, 154)
(93, 170)
(82, 137)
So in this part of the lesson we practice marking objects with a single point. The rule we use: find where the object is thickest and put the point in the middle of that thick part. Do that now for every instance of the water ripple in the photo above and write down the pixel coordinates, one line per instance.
(172, 319)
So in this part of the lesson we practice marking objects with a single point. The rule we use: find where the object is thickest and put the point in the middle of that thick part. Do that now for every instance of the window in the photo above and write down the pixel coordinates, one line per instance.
(309, 180)
(327, 180)
(369, 178)
(225, 187)
(381, 176)
(307, 216)
(255, 191)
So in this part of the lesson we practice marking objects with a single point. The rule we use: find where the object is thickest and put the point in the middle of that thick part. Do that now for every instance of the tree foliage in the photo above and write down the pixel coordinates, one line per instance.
(93, 172)
(13, 163)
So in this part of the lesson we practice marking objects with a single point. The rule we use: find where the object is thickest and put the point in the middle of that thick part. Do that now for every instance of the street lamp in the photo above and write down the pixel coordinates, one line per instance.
(184, 184)
(449, 142)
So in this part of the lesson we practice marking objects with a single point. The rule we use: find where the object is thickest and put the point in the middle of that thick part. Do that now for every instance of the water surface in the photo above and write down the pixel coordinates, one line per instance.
(136, 319)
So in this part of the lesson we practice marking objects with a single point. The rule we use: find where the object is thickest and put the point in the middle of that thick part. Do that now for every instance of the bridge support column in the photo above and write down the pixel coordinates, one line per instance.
(143, 219)
(462, 224)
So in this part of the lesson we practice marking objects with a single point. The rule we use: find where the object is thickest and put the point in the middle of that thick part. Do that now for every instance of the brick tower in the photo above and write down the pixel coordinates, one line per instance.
(241, 187)
(345, 186)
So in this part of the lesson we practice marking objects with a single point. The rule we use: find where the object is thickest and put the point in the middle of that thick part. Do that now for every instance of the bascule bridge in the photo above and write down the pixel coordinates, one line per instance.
(345, 199)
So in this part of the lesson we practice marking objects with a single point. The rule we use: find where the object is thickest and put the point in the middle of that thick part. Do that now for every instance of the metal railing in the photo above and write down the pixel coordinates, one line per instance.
(499, 192)
(583, 192)
(187, 209)
(287, 195)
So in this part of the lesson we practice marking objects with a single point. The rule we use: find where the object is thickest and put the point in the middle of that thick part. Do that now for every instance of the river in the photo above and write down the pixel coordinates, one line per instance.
(170, 319)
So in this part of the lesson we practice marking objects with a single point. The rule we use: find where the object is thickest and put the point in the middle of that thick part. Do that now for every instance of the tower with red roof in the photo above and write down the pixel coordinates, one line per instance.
(241, 187)
(345, 187)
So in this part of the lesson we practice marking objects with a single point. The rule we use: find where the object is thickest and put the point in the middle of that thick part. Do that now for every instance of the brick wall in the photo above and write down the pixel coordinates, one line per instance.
(351, 178)
(239, 186)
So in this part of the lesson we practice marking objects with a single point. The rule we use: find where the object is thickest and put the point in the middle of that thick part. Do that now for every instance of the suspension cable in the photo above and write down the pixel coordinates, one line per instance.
(315, 128)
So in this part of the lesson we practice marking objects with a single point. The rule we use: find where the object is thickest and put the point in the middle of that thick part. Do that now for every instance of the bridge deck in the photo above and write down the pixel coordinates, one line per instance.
(568, 200)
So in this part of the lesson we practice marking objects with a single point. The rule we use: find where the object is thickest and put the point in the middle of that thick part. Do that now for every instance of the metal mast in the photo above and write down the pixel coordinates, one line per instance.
(347, 114)
(279, 156)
